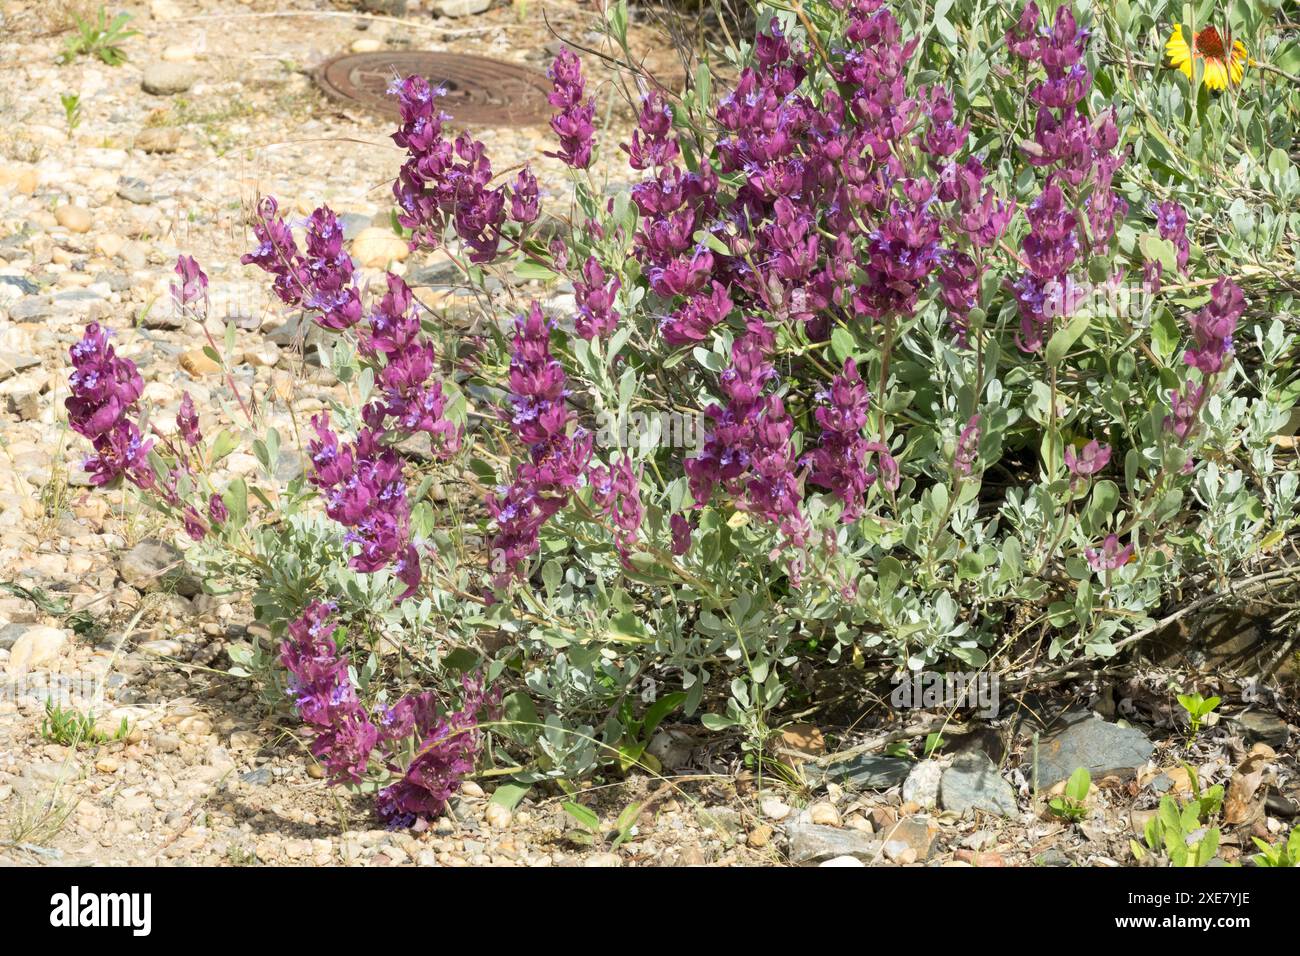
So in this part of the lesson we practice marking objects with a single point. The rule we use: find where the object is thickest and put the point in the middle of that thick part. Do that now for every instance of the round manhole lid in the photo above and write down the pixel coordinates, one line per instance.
(480, 91)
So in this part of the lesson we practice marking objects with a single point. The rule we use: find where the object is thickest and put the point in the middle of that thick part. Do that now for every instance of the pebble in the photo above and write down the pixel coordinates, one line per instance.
(74, 218)
(760, 836)
(823, 814)
(459, 8)
(497, 816)
(374, 248)
(774, 809)
(36, 647)
(168, 78)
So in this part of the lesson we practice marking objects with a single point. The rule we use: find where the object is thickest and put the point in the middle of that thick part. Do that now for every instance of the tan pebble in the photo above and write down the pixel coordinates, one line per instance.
(198, 364)
(73, 218)
(497, 816)
(106, 765)
(824, 814)
(471, 789)
(760, 836)
(109, 244)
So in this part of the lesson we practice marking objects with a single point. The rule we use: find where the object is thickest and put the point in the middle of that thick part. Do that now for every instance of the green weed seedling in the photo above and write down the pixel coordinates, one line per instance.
(1279, 854)
(101, 38)
(1182, 834)
(1069, 806)
(70, 728)
(1198, 708)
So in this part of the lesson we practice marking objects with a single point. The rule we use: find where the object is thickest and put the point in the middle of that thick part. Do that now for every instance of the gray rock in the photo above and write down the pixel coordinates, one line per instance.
(811, 844)
(973, 783)
(440, 273)
(861, 772)
(260, 777)
(11, 363)
(164, 316)
(166, 79)
(154, 565)
(25, 286)
(922, 784)
(459, 8)
(135, 190)
(1257, 726)
(353, 223)
(1101, 747)
(30, 308)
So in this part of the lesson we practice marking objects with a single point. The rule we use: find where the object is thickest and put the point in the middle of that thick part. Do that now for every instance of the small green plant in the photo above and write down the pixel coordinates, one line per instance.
(620, 831)
(100, 38)
(71, 111)
(70, 727)
(638, 733)
(1182, 834)
(1069, 806)
(1198, 708)
(1279, 854)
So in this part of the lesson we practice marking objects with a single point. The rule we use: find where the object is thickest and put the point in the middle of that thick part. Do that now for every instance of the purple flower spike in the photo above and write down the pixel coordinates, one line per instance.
(573, 121)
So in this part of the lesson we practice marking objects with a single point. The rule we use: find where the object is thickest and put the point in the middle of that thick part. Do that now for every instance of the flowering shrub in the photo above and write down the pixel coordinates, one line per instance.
(929, 432)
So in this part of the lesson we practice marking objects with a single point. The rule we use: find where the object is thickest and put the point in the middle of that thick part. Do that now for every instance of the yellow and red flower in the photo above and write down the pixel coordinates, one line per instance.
(1225, 63)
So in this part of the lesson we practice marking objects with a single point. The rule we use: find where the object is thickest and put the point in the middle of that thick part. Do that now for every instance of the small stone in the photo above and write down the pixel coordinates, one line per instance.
(73, 218)
(916, 832)
(824, 814)
(1103, 748)
(922, 784)
(842, 861)
(497, 816)
(36, 646)
(375, 247)
(973, 783)
(459, 8)
(169, 78)
(109, 244)
(899, 852)
(135, 191)
(106, 765)
(469, 788)
(811, 844)
(11, 363)
(1257, 726)
(367, 45)
(760, 836)
(198, 363)
(774, 809)
(155, 565)
(603, 860)
(862, 772)
(162, 648)
(158, 139)
(178, 53)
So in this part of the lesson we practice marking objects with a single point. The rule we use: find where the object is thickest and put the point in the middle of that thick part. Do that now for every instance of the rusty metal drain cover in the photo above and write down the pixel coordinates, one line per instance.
(480, 91)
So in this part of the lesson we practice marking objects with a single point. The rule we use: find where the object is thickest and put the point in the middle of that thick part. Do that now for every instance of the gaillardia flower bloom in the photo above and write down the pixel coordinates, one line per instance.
(1224, 62)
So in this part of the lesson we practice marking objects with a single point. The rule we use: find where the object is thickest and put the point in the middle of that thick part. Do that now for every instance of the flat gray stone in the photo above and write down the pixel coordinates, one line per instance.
(1259, 726)
(460, 8)
(861, 772)
(154, 565)
(11, 363)
(23, 285)
(973, 783)
(31, 307)
(812, 844)
(1101, 747)
(135, 190)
